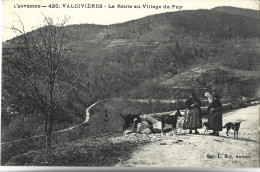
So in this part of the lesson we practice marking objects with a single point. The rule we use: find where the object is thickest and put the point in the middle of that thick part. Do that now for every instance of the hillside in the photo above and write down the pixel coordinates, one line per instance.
(145, 59)
(248, 80)
(238, 11)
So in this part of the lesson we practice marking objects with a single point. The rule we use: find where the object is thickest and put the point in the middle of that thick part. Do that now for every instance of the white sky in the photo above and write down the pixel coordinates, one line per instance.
(33, 17)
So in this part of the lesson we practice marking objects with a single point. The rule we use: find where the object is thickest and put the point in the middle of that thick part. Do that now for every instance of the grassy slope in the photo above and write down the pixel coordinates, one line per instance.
(248, 78)
(97, 152)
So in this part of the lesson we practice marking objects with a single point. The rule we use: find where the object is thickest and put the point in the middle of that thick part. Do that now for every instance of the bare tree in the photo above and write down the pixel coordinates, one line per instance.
(41, 58)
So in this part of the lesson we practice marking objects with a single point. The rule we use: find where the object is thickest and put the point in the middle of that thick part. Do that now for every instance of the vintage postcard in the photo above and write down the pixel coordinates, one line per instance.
(130, 83)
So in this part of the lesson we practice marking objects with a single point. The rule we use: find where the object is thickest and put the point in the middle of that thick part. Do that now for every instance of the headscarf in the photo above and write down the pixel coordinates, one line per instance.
(192, 94)
(209, 96)
(216, 95)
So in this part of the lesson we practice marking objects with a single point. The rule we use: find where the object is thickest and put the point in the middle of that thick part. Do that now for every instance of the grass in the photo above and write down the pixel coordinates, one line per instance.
(89, 152)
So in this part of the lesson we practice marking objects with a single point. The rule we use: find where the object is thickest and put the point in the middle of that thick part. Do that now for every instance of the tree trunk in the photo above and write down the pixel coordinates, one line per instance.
(47, 135)
(51, 113)
(45, 124)
(48, 140)
(49, 132)
(46, 129)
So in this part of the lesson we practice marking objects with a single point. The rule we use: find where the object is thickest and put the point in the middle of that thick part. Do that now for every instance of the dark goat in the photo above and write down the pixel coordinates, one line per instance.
(235, 126)
(170, 119)
(128, 119)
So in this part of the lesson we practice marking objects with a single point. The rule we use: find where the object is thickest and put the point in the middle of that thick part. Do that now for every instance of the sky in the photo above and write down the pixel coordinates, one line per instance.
(33, 17)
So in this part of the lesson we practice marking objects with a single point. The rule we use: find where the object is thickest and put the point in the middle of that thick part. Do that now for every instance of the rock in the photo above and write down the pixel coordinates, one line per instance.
(217, 140)
(142, 126)
(159, 139)
(156, 124)
(146, 131)
(157, 127)
(167, 129)
(154, 137)
(138, 128)
(180, 132)
(178, 141)
(162, 143)
(133, 134)
(128, 132)
(159, 136)
(169, 134)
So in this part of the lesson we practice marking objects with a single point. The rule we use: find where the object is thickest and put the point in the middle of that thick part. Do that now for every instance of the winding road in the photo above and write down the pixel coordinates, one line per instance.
(66, 129)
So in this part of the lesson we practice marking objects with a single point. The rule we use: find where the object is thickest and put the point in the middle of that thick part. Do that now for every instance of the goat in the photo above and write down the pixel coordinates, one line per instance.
(170, 119)
(206, 124)
(235, 126)
(128, 119)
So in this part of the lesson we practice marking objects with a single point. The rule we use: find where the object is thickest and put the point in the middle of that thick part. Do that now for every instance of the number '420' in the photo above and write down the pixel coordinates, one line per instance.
(53, 6)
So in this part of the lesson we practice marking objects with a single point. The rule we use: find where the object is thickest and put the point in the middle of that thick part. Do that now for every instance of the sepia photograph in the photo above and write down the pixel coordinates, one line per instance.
(119, 84)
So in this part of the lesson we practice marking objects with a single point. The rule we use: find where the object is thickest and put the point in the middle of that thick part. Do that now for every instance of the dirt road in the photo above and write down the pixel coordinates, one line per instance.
(204, 150)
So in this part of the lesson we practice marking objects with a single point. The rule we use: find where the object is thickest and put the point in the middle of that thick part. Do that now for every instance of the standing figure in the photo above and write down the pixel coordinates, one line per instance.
(215, 115)
(209, 96)
(193, 114)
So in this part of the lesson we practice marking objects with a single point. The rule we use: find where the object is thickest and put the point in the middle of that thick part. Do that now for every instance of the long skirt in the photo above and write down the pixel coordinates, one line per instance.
(192, 119)
(215, 120)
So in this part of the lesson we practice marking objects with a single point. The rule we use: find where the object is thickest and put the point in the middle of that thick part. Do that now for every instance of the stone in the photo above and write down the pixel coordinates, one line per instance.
(169, 134)
(159, 136)
(133, 134)
(156, 124)
(142, 126)
(146, 131)
(163, 144)
(167, 128)
(157, 127)
(138, 128)
(128, 132)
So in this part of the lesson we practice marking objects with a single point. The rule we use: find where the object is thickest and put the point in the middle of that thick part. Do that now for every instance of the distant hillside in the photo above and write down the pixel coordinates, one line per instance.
(146, 58)
(239, 11)
(219, 77)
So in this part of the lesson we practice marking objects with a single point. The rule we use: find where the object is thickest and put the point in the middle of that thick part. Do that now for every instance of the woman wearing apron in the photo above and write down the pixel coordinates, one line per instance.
(193, 114)
(215, 115)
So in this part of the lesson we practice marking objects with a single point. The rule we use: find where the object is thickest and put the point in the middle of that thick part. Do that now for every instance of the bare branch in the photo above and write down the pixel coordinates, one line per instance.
(40, 57)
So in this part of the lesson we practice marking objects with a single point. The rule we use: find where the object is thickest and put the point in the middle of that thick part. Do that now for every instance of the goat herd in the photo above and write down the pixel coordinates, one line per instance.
(174, 120)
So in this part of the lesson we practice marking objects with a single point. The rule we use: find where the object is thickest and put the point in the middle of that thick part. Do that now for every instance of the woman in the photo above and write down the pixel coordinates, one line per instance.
(193, 114)
(215, 116)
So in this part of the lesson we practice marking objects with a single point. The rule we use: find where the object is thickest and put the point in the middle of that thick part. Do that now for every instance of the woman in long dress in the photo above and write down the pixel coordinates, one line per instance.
(215, 115)
(193, 114)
